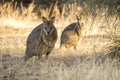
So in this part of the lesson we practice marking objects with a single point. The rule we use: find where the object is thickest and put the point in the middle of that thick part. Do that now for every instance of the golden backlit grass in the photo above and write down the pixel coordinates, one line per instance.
(65, 68)
(17, 23)
(90, 62)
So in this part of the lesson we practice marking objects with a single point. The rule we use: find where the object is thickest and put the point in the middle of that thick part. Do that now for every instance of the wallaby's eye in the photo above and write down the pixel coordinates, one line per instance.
(50, 27)
(45, 27)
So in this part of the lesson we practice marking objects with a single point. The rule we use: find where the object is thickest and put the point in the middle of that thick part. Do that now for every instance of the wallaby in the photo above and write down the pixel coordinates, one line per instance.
(71, 34)
(42, 39)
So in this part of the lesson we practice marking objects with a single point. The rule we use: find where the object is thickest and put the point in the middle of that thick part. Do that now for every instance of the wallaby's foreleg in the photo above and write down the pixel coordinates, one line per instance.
(48, 43)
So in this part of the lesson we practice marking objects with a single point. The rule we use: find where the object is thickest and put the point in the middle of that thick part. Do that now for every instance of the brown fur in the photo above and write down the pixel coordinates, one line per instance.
(71, 35)
(41, 40)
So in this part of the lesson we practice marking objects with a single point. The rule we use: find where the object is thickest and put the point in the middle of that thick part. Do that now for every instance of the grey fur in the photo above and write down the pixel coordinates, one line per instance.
(38, 42)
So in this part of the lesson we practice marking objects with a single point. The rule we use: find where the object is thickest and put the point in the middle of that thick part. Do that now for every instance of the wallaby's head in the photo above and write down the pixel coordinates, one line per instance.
(48, 25)
(80, 21)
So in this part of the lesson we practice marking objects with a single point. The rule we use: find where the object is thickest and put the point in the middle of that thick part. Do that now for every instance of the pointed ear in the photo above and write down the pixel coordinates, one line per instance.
(44, 19)
(52, 19)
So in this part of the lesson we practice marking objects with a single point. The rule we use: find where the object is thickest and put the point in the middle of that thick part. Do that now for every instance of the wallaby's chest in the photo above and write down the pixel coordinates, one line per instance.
(51, 37)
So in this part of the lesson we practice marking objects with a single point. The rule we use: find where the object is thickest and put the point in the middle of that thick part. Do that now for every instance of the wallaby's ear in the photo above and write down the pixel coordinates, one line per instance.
(52, 19)
(44, 19)
(78, 18)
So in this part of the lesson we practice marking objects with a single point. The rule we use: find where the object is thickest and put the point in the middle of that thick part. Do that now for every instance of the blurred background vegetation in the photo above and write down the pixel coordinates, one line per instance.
(112, 5)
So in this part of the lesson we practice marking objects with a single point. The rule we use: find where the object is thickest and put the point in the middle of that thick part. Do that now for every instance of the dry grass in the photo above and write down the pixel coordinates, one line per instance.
(90, 62)
(64, 68)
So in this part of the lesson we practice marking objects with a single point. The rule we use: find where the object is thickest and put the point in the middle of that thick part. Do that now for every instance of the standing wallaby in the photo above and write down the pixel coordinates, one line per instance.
(71, 35)
(42, 39)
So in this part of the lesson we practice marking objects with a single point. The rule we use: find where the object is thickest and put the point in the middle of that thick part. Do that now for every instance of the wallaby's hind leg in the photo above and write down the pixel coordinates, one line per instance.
(39, 56)
(67, 46)
(47, 54)
(26, 57)
(62, 46)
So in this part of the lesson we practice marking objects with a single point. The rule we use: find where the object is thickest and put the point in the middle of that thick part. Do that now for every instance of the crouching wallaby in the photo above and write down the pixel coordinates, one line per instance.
(71, 34)
(42, 39)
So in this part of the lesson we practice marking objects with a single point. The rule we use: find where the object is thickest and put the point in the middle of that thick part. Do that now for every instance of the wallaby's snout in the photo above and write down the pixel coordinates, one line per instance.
(48, 31)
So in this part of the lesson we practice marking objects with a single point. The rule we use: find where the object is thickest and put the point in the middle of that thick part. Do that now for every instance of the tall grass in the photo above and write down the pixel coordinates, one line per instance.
(100, 36)
(97, 18)
(14, 16)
